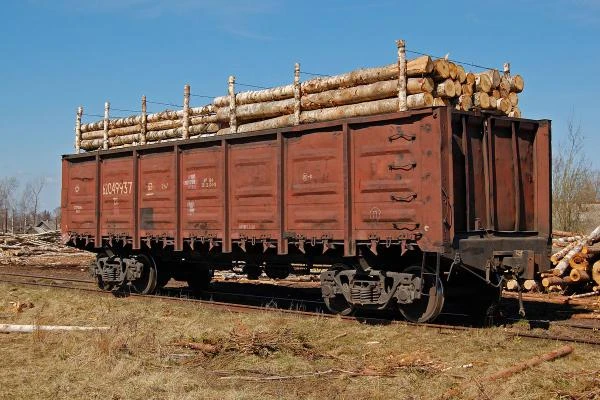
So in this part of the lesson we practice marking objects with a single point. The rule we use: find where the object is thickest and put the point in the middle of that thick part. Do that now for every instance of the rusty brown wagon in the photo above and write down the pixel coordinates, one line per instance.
(405, 208)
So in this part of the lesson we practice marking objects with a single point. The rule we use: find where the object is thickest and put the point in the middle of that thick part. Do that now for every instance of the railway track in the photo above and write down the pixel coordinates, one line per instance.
(583, 332)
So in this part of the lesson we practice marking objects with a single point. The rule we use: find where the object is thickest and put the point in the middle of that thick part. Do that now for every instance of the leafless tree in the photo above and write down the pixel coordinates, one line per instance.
(8, 188)
(573, 186)
(31, 196)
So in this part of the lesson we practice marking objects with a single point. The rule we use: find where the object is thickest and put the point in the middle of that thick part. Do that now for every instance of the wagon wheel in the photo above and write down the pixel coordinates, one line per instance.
(429, 306)
(146, 283)
(101, 284)
(339, 304)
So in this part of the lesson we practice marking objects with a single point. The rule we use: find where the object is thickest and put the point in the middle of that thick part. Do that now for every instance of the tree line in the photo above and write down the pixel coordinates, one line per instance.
(20, 205)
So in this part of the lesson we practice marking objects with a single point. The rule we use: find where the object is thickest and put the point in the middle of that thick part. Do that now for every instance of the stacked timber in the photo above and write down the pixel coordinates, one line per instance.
(407, 84)
(576, 264)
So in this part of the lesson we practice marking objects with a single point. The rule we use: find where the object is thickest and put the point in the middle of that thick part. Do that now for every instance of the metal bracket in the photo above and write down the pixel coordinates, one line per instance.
(408, 198)
(405, 167)
(401, 135)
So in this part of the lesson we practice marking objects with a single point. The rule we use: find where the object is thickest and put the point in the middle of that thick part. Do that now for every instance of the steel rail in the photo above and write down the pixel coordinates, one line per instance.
(239, 308)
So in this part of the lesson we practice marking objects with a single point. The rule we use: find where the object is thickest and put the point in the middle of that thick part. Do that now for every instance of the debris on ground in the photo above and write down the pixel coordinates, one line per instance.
(40, 249)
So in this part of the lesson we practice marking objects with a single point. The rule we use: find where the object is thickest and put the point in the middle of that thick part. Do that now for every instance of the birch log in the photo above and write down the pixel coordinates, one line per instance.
(471, 78)
(467, 89)
(483, 83)
(514, 99)
(517, 84)
(457, 88)
(552, 281)
(444, 89)
(494, 76)
(464, 102)
(594, 236)
(257, 96)
(579, 276)
(273, 123)
(556, 257)
(504, 87)
(258, 110)
(414, 68)
(452, 70)
(579, 261)
(441, 69)
(461, 74)
(596, 272)
(530, 285)
(503, 105)
(563, 264)
(419, 85)
(481, 100)
(12, 328)
(419, 100)
(419, 67)
(356, 94)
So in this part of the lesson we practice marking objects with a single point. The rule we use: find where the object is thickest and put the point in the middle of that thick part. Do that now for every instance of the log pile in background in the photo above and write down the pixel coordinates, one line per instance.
(407, 84)
(576, 265)
(40, 249)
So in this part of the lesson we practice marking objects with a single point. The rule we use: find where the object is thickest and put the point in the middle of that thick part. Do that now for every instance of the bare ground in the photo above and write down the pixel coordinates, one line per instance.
(158, 349)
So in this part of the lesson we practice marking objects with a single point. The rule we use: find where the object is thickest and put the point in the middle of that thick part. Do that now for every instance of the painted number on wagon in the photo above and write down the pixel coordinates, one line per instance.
(112, 188)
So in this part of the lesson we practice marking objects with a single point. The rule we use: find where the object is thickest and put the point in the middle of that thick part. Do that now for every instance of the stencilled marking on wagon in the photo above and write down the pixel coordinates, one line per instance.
(113, 188)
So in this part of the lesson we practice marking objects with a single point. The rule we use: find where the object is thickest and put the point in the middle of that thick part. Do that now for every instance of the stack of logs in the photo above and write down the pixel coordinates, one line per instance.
(576, 265)
(412, 84)
(39, 249)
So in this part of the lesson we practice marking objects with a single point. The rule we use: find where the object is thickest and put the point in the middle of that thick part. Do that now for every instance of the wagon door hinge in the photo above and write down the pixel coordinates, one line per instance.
(405, 167)
(400, 134)
(407, 198)
(192, 242)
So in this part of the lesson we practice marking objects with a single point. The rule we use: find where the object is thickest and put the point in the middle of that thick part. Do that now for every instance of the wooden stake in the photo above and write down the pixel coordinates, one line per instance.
(297, 94)
(402, 106)
(78, 129)
(143, 122)
(106, 119)
(232, 115)
(186, 112)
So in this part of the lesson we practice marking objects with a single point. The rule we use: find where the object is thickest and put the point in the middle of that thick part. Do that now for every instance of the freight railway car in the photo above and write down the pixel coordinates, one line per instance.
(401, 210)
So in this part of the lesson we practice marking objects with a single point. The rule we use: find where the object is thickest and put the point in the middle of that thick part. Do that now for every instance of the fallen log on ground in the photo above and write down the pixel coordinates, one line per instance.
(12, 328)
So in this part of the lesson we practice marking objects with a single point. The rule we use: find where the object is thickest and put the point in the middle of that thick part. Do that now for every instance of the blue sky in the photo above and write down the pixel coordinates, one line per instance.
(56, 55)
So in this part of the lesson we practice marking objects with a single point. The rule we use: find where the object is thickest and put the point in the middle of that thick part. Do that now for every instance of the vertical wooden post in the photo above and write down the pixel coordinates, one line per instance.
(186, 111)
(144, 122)
(232, 116)
(78, 129)
(297, 94)
(506, 68)
(402, 106)
(105, 138)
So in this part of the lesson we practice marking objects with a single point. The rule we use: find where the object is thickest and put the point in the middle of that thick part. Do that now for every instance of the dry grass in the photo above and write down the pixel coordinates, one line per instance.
(165, 350)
